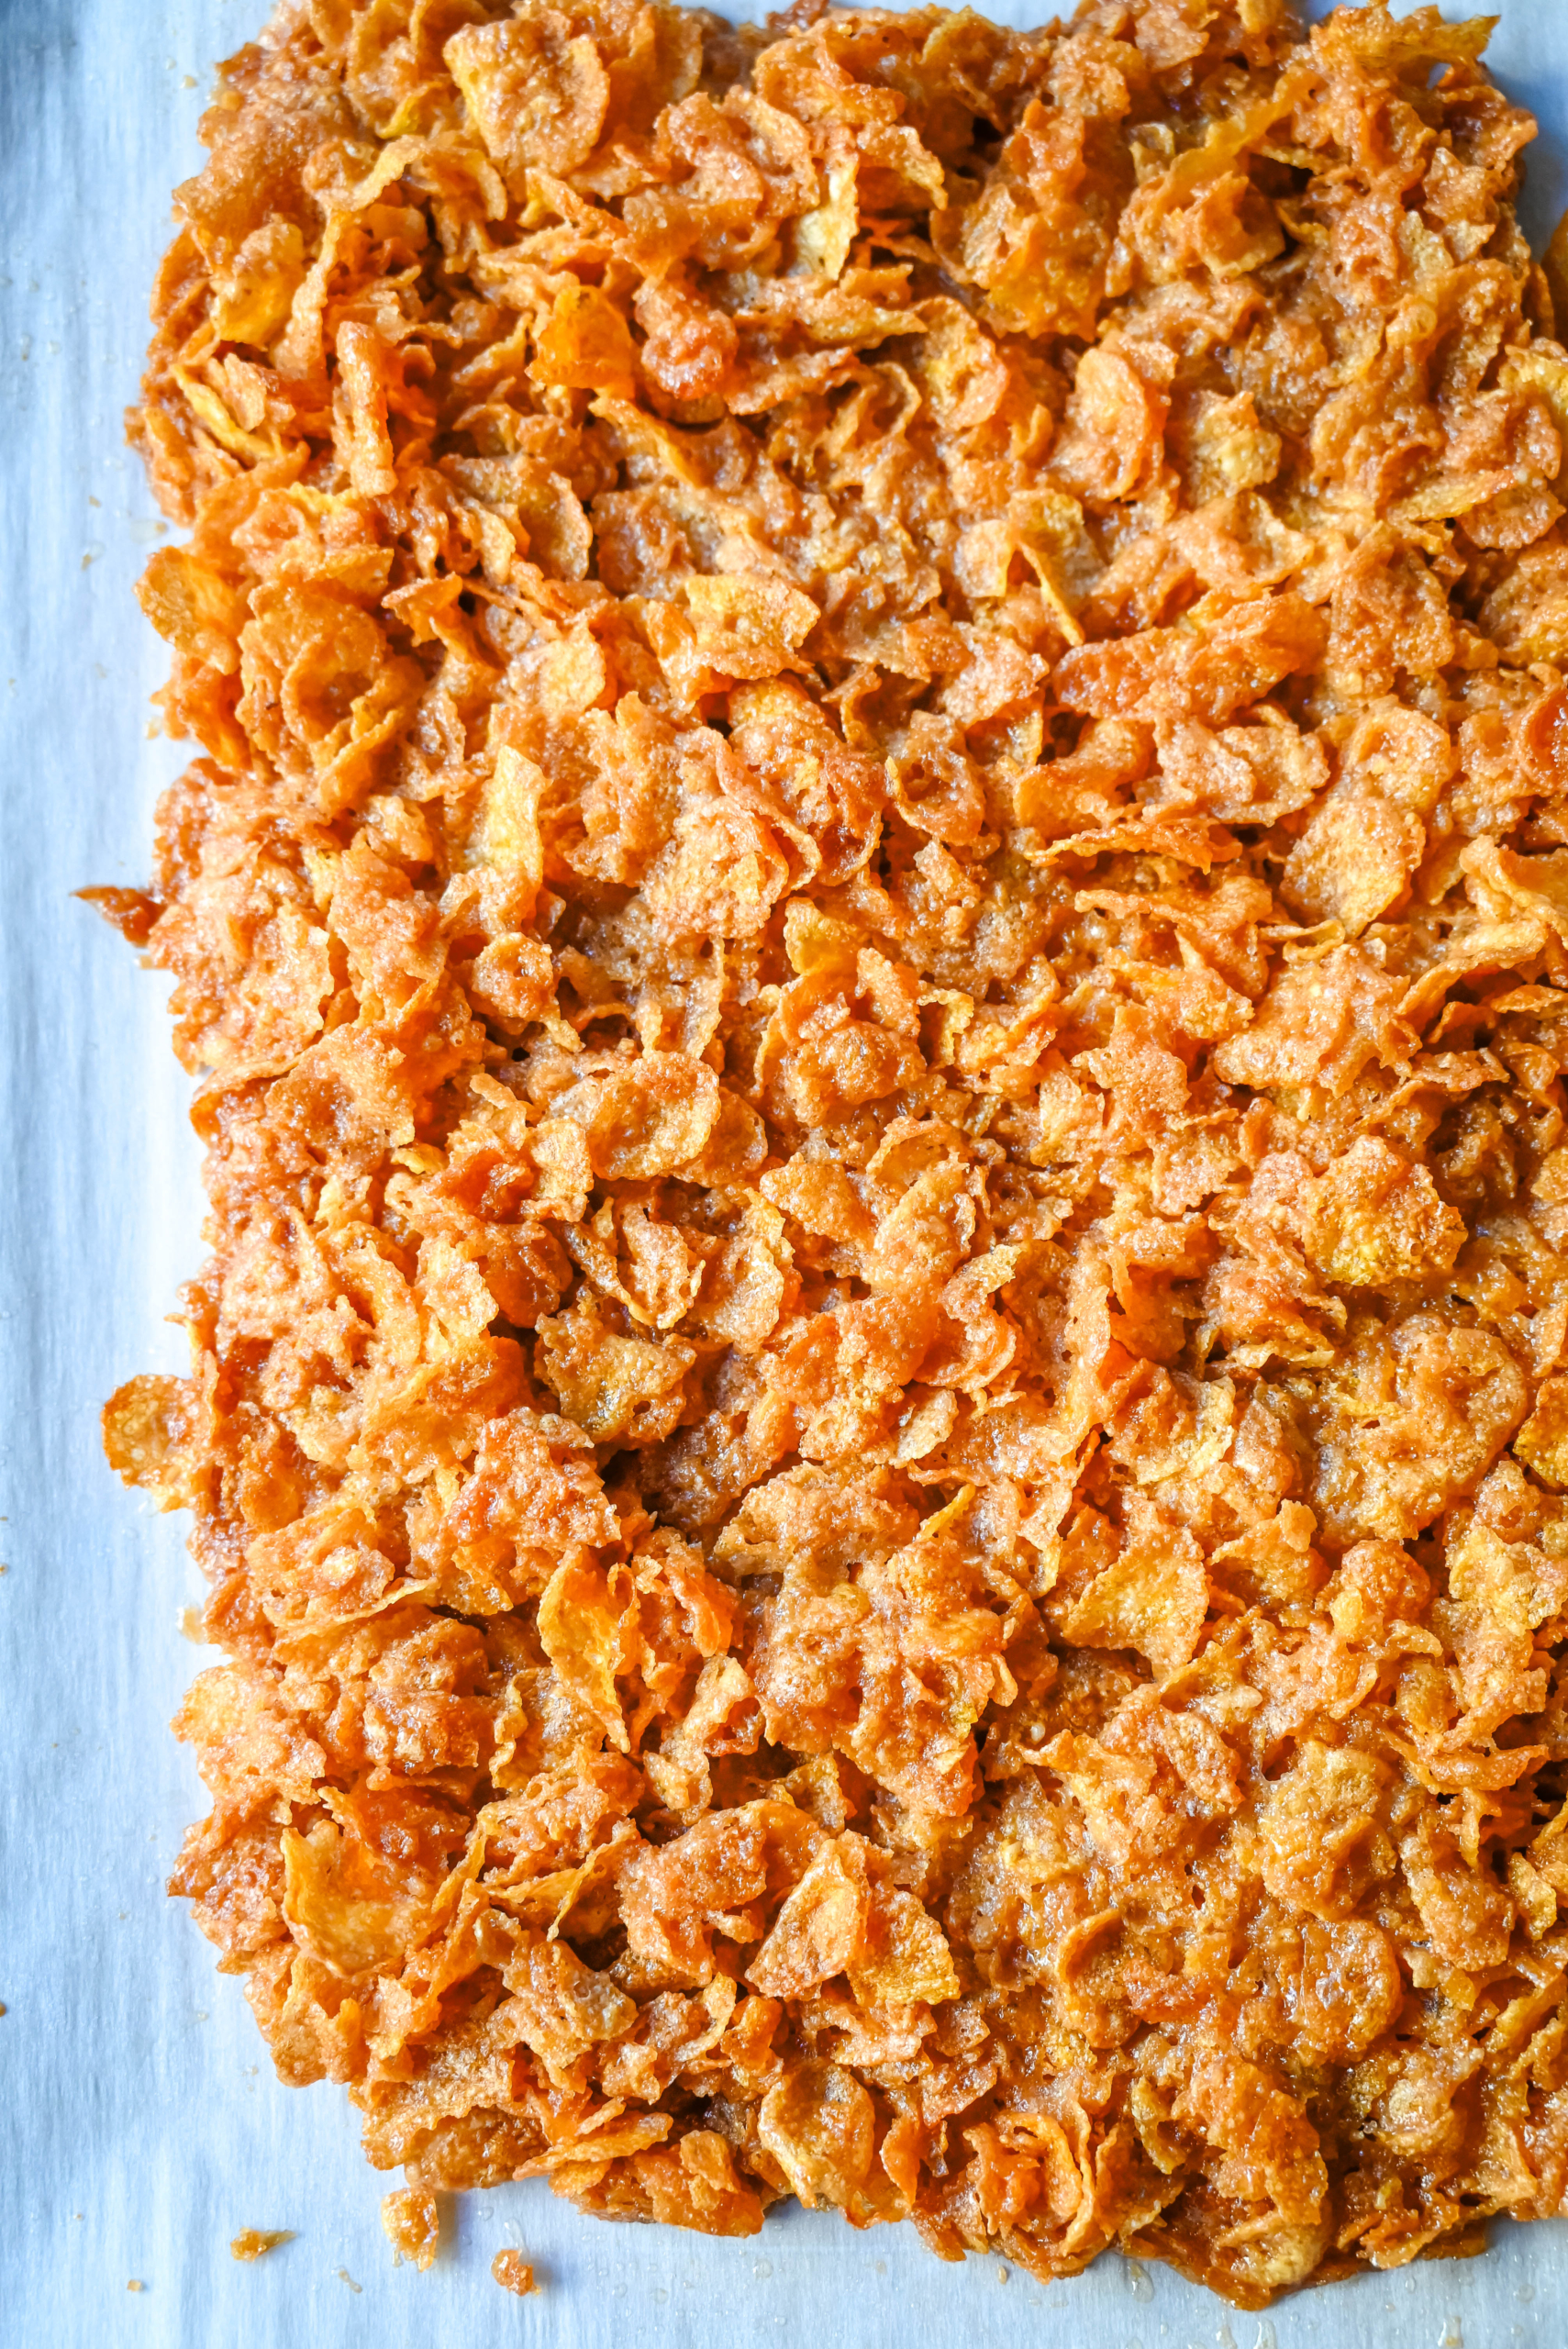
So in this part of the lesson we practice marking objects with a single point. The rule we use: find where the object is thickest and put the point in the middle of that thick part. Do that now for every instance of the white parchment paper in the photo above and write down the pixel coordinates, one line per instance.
(141, 2126)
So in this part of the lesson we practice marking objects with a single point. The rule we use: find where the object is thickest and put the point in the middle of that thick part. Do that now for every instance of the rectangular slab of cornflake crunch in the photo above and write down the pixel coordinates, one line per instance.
(872, 918)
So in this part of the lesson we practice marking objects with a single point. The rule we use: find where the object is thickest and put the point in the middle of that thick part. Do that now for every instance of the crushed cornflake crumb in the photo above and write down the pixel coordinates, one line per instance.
(254, 2242)
(412, 2218)
(512, 2271)
(872, 911)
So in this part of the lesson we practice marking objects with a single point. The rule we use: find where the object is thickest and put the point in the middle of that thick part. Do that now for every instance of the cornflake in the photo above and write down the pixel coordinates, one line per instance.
(412, 2221)
(513, 2273)
(254, 2243)
(871, 913)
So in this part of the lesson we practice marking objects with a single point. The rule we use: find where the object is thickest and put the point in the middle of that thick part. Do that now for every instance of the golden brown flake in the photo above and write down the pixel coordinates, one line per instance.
(513, 2273)
(254, 2243)
(875, 918)
(412, 2218)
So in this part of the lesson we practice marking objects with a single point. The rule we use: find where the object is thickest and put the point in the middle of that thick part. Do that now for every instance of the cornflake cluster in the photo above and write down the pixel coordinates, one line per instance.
(874, 924)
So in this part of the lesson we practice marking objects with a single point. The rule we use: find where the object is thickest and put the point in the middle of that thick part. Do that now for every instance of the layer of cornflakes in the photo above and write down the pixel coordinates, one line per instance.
(874, 922)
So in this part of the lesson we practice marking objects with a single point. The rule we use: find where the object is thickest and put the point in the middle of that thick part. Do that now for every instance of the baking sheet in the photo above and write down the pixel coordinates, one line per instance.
(143, 2126)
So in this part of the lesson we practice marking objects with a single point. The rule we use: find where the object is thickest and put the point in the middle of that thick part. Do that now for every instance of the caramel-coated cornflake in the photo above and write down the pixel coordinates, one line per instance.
(514, 2273)
(412, 2218)
(873, 914)
(254, 2243)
